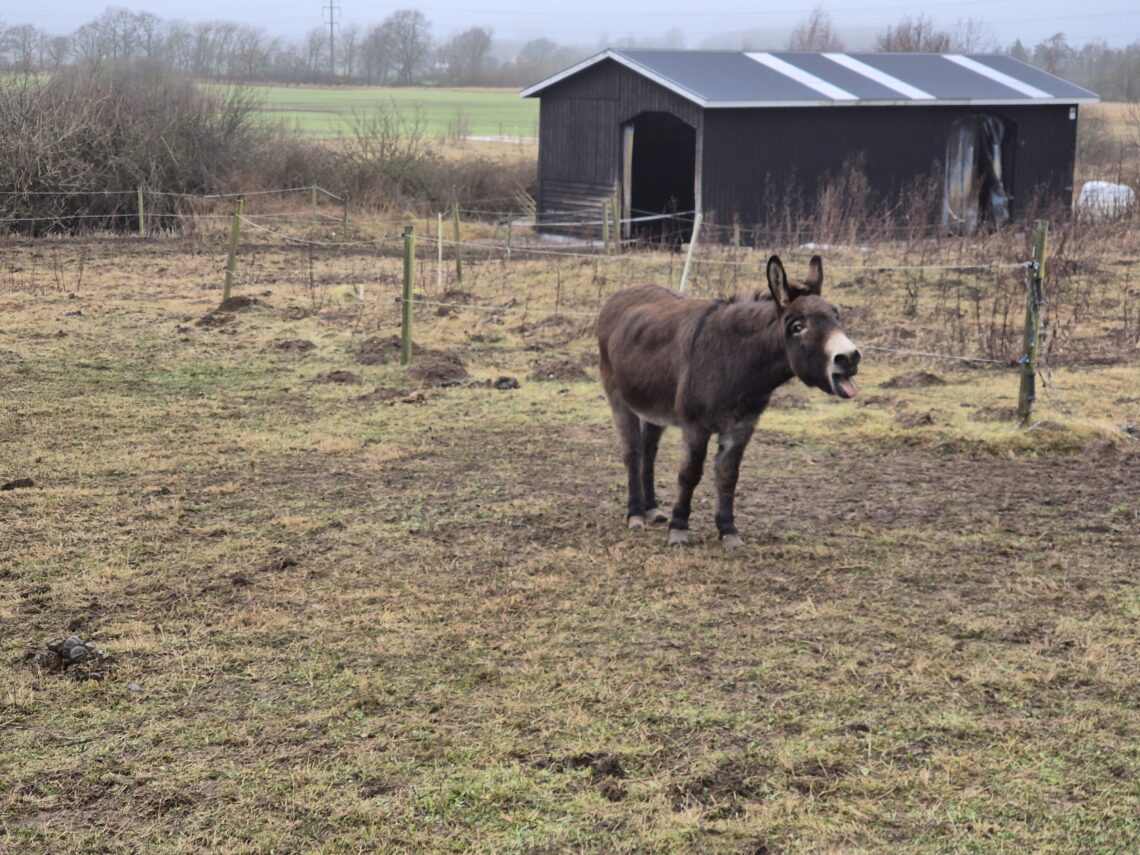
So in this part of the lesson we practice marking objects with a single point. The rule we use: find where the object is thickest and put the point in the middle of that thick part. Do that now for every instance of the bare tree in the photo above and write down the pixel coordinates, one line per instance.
(816, 32)
(375, 56)
(973, 35)
(1053, 54)
(349, 49)
(408, 35)
(465, 55)
(913, 35)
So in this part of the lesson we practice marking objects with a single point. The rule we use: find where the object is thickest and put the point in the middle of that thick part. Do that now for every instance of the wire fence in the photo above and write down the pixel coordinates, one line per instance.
(948, 274)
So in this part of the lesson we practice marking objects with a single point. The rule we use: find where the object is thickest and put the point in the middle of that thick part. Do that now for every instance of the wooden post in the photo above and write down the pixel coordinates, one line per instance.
(231, 262)
(615, 207)
(409, 276)
(1034, 298)
(689, 255)
(736, 231)
(458, 247)
(439, 253)
(508, 237)
(344, 221)
(313, 202)
(142, 214)
(606, 227)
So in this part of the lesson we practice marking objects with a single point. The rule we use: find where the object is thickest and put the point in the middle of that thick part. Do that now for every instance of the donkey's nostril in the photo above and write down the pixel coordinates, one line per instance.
(847, 362)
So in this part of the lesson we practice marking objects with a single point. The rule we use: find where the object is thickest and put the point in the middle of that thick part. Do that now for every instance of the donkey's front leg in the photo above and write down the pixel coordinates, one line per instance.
(730, 450)
(696, 447)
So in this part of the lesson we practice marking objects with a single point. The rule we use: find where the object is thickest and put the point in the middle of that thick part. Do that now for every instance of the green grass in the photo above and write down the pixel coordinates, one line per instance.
(329, 111)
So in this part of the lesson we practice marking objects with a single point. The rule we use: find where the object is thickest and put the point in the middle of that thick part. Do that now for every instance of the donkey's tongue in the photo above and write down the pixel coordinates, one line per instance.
(846, 386)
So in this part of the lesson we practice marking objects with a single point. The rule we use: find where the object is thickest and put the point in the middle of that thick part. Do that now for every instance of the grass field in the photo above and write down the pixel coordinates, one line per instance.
(327, 111)
(346, 608)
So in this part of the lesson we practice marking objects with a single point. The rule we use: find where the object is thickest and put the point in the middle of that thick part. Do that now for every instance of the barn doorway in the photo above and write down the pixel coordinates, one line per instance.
(659, 174)
(977, 163)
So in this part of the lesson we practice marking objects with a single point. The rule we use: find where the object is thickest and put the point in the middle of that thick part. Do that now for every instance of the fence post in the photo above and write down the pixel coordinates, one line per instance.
(231, 262)
(508, 236)
(142, 214)
(689, 255)
(615, 207)
(313, 203)
(344, 222)
(1034, 298)
(409, 278)
(606, 227)
(458, 247)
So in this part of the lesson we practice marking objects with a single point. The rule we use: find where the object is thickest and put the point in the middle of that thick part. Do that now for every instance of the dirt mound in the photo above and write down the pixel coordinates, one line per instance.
(914, 380)
(380, 351)
(238, 304)
(438, 368)
(391, 395)
(339, 376)
(559, 368)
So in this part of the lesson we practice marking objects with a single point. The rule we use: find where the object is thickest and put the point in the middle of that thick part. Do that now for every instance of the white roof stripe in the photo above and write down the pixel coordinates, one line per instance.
(997, 76)
(881, 77)
(800, 76)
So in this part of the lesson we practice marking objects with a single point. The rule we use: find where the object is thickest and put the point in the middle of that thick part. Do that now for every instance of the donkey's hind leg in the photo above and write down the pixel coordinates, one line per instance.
(650, 438)
(629, 430)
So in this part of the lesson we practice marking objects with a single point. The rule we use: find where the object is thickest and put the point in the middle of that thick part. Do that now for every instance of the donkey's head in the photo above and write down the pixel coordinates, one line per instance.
(819, 351)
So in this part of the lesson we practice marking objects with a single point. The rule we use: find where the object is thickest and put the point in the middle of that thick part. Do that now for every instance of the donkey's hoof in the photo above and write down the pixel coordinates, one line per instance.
(732, 541)
(636, 523)
(678, 537)
(656, 516)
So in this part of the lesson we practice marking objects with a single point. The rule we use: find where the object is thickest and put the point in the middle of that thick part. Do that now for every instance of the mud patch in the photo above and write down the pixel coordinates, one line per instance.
(549, 322)
(914, 380)
(438, 368)
(723, 791)
(299, 346)
(915, 420)
(342, 377)
(559, 369)
(994, 413)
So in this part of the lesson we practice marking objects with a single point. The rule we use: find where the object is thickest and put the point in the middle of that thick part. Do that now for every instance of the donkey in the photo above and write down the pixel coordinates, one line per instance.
(710, 366)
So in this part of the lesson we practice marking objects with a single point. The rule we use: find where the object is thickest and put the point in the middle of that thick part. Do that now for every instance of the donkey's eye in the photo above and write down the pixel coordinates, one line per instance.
(796, 327)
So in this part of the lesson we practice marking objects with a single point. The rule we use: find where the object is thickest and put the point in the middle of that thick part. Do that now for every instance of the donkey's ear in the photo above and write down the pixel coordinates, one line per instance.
(778, 282)
(814, 281)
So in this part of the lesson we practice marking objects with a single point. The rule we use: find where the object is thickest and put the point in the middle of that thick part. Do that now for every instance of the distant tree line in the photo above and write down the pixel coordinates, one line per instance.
(401, 50)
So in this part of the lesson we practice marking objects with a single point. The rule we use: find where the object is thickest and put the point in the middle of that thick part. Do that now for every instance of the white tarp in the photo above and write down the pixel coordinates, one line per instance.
(1103, 200)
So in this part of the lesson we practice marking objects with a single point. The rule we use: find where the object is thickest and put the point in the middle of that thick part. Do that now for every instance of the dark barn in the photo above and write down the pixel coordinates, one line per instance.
(734, 134)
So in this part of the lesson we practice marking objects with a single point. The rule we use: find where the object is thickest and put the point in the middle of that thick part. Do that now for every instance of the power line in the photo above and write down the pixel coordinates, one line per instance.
(333, 10)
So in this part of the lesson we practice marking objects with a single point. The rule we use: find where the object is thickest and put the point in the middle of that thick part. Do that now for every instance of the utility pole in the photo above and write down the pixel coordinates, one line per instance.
(333, 9)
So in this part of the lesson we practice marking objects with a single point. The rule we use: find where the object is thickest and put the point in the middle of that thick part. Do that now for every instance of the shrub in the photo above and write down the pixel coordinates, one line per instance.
(79, 143)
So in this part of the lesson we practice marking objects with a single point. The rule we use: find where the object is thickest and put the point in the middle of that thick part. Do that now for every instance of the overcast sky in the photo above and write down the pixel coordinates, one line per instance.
(590, 22)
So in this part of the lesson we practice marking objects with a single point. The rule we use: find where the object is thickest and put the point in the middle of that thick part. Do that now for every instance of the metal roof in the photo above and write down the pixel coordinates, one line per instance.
(719, 79)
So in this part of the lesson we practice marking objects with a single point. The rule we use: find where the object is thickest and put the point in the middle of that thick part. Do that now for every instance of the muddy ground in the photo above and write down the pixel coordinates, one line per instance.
(412, 620)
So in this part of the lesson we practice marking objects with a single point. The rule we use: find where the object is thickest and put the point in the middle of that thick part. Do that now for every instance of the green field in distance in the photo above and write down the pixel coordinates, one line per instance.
(327, 111)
